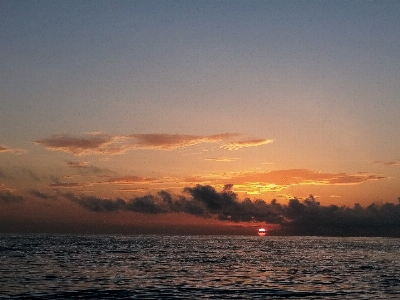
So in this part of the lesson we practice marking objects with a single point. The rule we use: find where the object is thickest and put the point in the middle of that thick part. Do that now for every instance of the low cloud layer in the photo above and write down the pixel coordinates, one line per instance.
(97, 143)
(305, 217)
(8, 197)
(295, 217)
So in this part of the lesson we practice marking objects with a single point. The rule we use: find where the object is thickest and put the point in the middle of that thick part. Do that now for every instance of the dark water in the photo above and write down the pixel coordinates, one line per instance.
(193, 267)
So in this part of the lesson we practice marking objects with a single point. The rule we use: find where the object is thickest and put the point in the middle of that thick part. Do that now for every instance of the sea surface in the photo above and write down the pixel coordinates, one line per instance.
(198, 267)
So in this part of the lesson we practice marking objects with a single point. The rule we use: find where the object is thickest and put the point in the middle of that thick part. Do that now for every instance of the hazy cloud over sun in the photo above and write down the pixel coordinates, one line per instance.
(98, 143)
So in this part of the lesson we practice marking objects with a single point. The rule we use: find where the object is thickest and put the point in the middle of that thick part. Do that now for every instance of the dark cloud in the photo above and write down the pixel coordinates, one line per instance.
(8, 197)
(3, 175)
(84, 168)
(57, 183)
(310, 218)
(148, 204)
(306, 217)
(34, 176)
(97, 204)
(41, 195)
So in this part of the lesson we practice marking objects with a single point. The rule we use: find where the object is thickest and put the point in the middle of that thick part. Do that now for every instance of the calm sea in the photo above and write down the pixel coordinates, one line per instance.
(198, 267)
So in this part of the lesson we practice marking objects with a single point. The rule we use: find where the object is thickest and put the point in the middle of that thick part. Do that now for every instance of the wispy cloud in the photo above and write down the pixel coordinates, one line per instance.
(277, 180)
(41, 195)
(57, 183)
(4, 149)
(89, 144)
(388, 163)
(84, 168)
(222, 159)
(253, 183)
(78, 164)
(303, 176)
(176, 141)
(127, 180)
(245, 144)
(4, 188)
(98, 143)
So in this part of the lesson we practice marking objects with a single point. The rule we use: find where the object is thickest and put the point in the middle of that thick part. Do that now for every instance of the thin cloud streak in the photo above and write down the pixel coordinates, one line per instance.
(222, 159)
(252, 183)
(246, 144)
(5, 149)
(103, 144)
(388, 163)
(131, 180)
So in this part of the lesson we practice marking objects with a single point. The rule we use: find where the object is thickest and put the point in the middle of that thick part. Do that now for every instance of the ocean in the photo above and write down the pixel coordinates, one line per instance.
(198, 267)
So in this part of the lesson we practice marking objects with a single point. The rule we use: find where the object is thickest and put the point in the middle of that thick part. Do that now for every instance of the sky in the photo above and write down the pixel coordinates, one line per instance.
(262, 100)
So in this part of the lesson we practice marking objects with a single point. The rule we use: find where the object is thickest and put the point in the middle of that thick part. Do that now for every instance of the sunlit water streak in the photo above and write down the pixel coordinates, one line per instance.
(193, 267)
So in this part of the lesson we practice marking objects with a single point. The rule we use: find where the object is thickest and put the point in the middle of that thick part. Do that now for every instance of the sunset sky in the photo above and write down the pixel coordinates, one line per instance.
(119, 99)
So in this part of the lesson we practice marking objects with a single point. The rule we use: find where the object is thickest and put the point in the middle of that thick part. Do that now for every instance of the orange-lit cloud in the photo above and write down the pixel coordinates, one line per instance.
(5, 188)
(82, 164)
(4, 149)
(66, 185)
(254, 183)
(57, 183)
(276, 181)
(246, 144)
(133, 190)
(176, 141)
(97, 143)
(131, 180)
(303, 176)
(222, 159)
